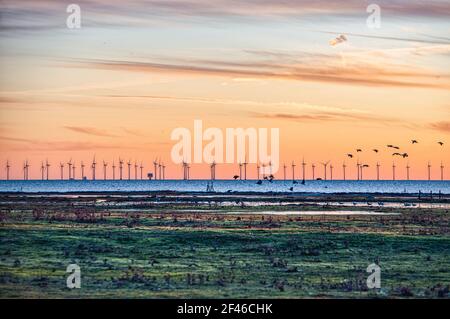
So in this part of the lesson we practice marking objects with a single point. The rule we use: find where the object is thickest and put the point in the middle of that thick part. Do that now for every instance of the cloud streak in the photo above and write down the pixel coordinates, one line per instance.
(89, 131)
(326, 68)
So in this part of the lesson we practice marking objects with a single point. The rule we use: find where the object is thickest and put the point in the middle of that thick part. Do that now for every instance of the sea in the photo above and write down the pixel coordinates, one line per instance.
(276, 186)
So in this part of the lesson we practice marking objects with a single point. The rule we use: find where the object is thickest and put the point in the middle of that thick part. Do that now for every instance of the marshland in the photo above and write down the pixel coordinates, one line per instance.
(222, 245)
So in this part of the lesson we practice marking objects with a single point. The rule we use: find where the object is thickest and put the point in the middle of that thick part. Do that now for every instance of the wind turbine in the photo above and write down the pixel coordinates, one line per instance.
(24, 171)
(82, 170)
(343, 168)
(213, 170)
(120, 168)
(188, 168)
(331, 172)
(47, 166)
(325, 169)
(155, 164)
(42, 170)
(129, 169)
(135, 170)
(257, 171)
(245, 168)
(73, 170)
(163, 171)
(442, 171)
(407, 171)
(303, 171)
(293, 171)
(378, 171)
(160, 169)
(93, 168)
(141, 167)
(313, 171)
(284, 171)
(393, 171)
(429, 171)
(114, 170)
(184, 170)
(61, 166)
(7, 170)
(105, 164)
(240, 170)
(69, 163)
(27, 166)
(358, 168)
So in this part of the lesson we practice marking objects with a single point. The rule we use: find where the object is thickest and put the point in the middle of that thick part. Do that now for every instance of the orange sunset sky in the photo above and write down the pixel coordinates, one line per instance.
(136, 70)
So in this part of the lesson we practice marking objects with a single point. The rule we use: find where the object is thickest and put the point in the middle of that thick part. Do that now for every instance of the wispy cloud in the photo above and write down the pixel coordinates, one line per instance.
(325, 68)
(89, 131)
(442, 126)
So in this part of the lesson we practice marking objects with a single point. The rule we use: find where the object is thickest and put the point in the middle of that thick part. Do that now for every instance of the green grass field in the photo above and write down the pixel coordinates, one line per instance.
(222, 256)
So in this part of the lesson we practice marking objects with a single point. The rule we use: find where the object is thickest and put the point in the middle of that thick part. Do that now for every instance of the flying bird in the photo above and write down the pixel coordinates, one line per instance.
(359, 150)
(375, 150)
(350, 155)
(394, 154)
(390, 145)
(396, 147)
(236, 177)
(405, 155)
(440, 143)
(414, 141)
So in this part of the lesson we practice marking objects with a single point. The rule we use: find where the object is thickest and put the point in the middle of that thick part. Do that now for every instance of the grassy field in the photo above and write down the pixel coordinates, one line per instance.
(126, 254)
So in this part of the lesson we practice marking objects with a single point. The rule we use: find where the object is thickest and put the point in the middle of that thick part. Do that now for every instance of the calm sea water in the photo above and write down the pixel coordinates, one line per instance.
(227, 185)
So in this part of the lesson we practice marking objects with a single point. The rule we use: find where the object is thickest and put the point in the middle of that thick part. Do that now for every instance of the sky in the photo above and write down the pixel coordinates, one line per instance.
(136, 70)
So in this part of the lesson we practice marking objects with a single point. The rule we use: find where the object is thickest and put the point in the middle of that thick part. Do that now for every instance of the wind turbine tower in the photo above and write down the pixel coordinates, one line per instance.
(378, 171)
(114, 170)
(393, 171)
(93, 168)
(47, 167)
(7, 170)
(442, 171)
(61, 166)
(120, 168)
(343, 169)
(407, 171)
(293, 171)
(82, 170)
(105, 164)
(42, 170)
(303, 170)
(429, 171)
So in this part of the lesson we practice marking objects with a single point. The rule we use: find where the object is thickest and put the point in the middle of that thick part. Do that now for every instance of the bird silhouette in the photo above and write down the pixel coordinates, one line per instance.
(390, 145)
(440, 143)
(375, 150)
(236, 177)
(405, 155)
(396, 147)
(350, 155)
(394, 154)
(359, 150)
(414, 141)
